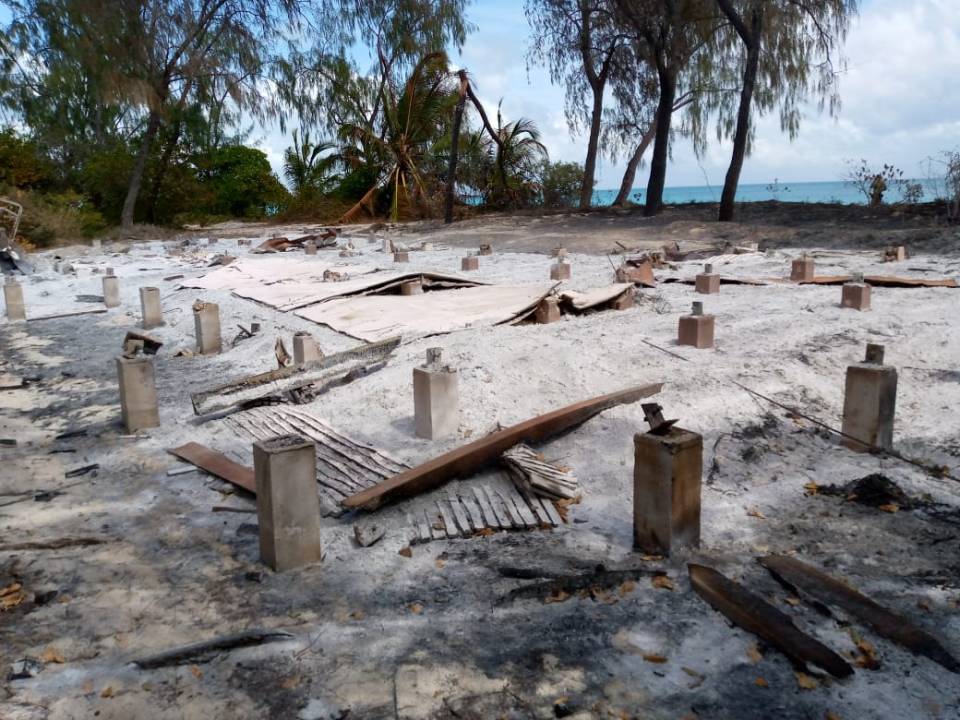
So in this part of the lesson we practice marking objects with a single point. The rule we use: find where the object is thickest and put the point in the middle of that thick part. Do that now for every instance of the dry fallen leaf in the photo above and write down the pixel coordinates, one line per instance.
(805, 681)
(406, 552)
(107, 692)
(11, 596)
(197, 672)
(358, 615)
(697, 678)
(556, 596)
(662, 582)
(485, 532)
(760, 682)
(651, 558)
(811, 488)
(291, 682)
(792, 600)
(627, 587)
(416, 608)
(923, 604)
(890, 508)
(440, 562)
(754, 654)
(755, 512)
(867, 657)
(653, 658)
(831, 716)
(51, 655)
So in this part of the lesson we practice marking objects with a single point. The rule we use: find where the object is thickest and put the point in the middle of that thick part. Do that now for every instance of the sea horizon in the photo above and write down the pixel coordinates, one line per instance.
(838, 192)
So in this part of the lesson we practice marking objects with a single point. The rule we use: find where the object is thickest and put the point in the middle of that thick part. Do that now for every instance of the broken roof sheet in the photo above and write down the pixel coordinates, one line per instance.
(376, 317)
(594, 297)
(247, 272)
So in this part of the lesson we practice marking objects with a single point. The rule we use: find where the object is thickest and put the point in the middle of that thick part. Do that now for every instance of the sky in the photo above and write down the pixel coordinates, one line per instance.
(899, 95)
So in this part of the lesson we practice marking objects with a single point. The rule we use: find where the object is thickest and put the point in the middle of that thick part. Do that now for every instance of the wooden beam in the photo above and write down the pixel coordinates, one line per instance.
(759, 617)
(831, 591)
(235, 393)
(470, 459)
(217, 464)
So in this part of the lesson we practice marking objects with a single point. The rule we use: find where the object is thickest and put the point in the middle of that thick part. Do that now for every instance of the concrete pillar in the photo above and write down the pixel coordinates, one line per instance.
(898, 253)
(288, 505)
(305, 349)
(486, 249)
(111, 291)
(548, 311)
(152, 315)
(471, 262)
(138, 393)
(696, 329)
(426, 246)
(869, 402)
(206, 323)
(386, 245)
(560, 253)
(411, 287)
(401, 257)
(13, 299)
(560, 271)
(310, 247)
(667, 470)
(856, 294)
(802, 270)
(436, 399)
(707, 282)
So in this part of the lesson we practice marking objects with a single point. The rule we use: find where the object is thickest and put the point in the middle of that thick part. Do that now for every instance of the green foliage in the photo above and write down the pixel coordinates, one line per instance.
(22, 164)
(560, 184)
(242, 182)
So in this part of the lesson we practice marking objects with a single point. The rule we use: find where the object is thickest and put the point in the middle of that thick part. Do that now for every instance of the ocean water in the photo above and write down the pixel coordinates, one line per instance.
(825, 192)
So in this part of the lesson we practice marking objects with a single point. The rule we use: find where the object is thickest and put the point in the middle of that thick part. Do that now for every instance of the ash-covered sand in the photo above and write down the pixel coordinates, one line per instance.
(378, 635)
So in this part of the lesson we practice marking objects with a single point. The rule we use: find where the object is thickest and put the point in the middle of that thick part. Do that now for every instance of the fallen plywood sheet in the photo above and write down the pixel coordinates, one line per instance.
(344, 465)
(374, 317)
(248, 271)
(724, 280)
(759, 617)
(596, 297)
(469, 459)
(830, 591)
(481, 508)
(217, 464)
(883, 281)
(530, 470)
(325, 372)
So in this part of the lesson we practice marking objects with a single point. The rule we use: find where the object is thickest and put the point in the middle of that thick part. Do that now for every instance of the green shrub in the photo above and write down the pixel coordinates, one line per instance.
(560, 184)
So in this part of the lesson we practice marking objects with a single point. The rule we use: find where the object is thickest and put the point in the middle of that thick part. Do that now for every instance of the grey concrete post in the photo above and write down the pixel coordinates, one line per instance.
(13, 299)
(305, 349)
(138, 393)
(436, 398)
(206, 323)
(869, 402)
(288, 506)
(152, 315)
(111, 291)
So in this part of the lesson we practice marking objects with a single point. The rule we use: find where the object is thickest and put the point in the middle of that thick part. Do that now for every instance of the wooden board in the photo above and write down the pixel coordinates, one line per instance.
(217, 464)
(469, 459)
(831, 591)
(759, 617)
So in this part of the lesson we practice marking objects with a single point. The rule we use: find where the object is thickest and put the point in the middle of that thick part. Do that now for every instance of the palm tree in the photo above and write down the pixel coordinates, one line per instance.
(519, 154)
(306, 168)
(414, 117)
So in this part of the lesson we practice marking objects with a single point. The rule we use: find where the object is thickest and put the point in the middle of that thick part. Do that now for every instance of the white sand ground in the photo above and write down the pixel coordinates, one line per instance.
(377, 635)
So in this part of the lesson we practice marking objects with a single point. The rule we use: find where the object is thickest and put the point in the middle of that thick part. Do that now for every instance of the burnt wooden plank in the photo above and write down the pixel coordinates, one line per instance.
(473, 457)
(830, 591)
(217, 464)
(759, 617)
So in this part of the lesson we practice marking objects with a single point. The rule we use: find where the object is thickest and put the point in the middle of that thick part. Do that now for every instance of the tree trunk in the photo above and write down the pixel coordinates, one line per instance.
(136, 177)
(157, 183)
(590, 166)
(452, 166)
(742, 133)
(630, 174)
(661, 145)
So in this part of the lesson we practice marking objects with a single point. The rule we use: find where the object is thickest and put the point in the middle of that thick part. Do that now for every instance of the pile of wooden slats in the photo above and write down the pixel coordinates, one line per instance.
(477, 507)
(344, 466)
(529, 469)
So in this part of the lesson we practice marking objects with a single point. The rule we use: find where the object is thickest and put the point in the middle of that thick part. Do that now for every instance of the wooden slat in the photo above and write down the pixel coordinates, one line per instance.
(552, 512)
(473, 510)
(458, 513)
(759, 617)
(831, 591)
(489, 516)
(217, 464)
(469, 459)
